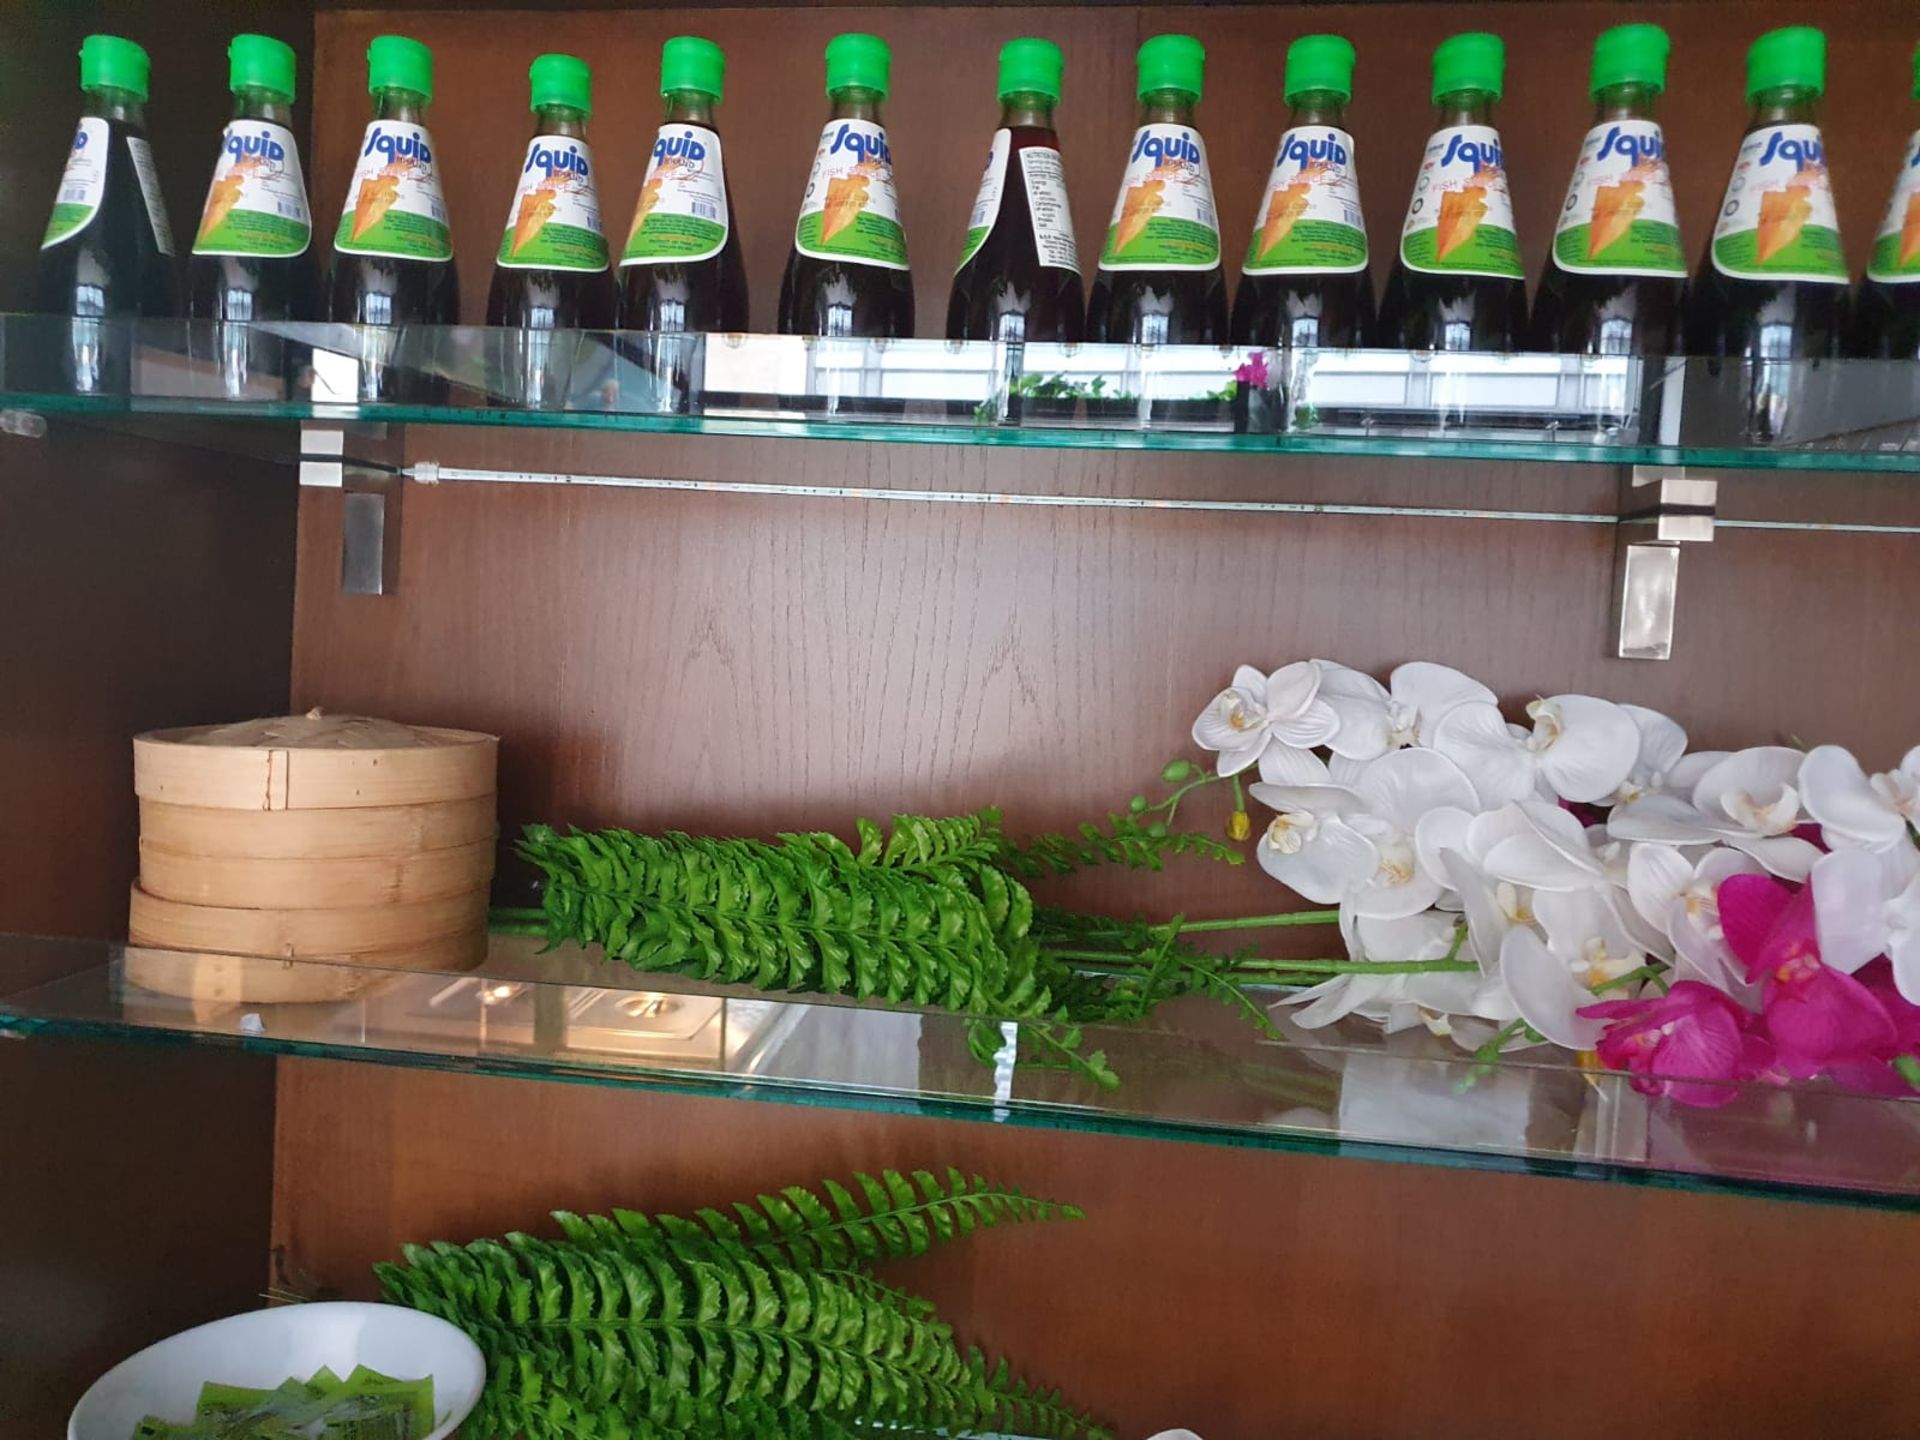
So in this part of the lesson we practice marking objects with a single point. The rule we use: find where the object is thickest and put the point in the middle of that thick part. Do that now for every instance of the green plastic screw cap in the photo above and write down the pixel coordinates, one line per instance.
(561, 80)
(689, 63)
(109, 63)
(1031, 67)
(395, 62)
(858, 62)
(1172, 62)
(260, 62)
(1796, 55)
(1630, 55)
(1320, 62)
(1473, 61)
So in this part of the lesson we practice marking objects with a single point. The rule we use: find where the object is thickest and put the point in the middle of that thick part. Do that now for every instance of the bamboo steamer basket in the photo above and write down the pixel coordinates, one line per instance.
(250, 980)
(369, 830)
(312, 762)
(344, 932)
(297, 883)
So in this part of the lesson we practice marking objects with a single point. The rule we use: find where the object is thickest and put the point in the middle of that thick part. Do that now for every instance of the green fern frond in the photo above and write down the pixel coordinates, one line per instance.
(1124, 841)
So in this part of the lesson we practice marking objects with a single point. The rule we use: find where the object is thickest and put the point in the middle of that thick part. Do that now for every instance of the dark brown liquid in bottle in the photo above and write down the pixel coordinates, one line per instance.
(387, 293)
(1004, 292)
(1160, 307)
(236, 292)
(844, 297)
(1424, 311)
(679, 296)
(1306, 310)
(1579, 312)
(1766, 319)
(528, 363)
(111, 269)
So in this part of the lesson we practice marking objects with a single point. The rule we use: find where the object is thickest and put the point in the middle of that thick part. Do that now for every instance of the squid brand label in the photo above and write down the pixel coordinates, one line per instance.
(1460, 219)
(394, 205)
(1309, 219)
(1777, 221)
(1164, 216)
(83, 184)
(257, 203)
(555, 220)
(1896, 248)
(1619, 217)
(682, 211)
(850, 210)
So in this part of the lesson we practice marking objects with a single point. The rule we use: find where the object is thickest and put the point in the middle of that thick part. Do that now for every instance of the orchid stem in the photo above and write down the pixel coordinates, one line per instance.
(1250, 922)
(1909, 1068)
(1121, 959)
(510, 913)
(1645, 972)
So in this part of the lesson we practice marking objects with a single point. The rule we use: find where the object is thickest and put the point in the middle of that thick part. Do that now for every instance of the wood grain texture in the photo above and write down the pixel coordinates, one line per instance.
(1247, 1295)
(941, 110)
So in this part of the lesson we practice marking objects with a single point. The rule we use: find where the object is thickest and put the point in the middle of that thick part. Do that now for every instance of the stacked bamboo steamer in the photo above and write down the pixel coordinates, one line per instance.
(313, 837)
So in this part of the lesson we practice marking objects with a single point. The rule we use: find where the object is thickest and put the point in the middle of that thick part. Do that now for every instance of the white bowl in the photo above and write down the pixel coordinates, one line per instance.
(265, 1347)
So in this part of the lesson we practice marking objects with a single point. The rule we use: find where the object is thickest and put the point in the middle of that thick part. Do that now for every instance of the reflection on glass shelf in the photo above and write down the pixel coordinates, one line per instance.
(1853, 414)
(1195, 1072)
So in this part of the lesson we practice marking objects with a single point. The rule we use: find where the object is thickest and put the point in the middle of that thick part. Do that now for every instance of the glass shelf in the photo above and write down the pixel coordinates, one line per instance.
(1857, 415)
(1195, 1072)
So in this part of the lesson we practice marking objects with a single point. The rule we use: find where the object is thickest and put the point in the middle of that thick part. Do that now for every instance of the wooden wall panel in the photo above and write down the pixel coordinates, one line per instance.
(942, 108)
(1247, 1295)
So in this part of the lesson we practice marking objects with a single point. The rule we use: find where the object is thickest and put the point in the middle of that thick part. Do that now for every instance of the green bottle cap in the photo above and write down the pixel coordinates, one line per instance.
(1796, 55)
(1320, 62)
(260, 62)
(109, 63)
(396, 63)
(858, 62)
(1630, 55)
(1031, 67)
(561, 80)
(1172, 62)
(689, 63)
(1473, 61)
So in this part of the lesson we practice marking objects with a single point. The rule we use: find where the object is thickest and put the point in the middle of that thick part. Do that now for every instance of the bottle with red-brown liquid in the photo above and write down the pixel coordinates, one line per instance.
(1019, 275)
(847, 273)
(1160, 281)
(1305, 281)
(1887, 307)
(1616, 276)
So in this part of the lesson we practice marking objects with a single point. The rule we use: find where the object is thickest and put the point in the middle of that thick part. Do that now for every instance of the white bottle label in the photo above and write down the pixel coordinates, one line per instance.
(1460, 219)
(681, 215)
(1309, 220)
(257, 203)
(555, 220)
(986, 200)
(150, 192)
(1619, 217)
(1046, 180)
(83, 184)
(1778, 221)
(850, 210)
(1164, 217)
(1896, 249)
(394, 204)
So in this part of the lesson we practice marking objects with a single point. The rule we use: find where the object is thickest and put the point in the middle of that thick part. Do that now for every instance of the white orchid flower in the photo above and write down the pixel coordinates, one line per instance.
(1866, 903)
(1663, 744)
(1399, 1002)
(1677, 892)
(1855, 811)
(1376, 718)
(1585, 948)
(1274, 721)
(1459, 846)
(1360, 840)
(1580, 748)
(1747, 799)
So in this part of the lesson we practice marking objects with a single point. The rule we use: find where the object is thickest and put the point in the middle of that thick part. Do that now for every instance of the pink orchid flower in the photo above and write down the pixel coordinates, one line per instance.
(1819, 1020)
(1254, 372)
(1691, 1044)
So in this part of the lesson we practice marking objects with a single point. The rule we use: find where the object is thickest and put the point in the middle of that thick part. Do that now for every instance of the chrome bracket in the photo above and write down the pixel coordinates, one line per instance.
(364, 462)
(1662, 507)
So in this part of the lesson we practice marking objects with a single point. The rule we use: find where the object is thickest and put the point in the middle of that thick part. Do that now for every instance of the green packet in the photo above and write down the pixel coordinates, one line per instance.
(365, 1406)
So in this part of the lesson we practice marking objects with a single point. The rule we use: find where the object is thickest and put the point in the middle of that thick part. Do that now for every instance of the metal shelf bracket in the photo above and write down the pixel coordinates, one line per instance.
(364, 462)
(1662, 508)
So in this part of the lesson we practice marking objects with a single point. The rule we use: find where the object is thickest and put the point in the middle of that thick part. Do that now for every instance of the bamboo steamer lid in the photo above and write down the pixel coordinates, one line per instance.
(302, 934)
(253, 883)
(312, 762)
(249, 980)
(316, 834)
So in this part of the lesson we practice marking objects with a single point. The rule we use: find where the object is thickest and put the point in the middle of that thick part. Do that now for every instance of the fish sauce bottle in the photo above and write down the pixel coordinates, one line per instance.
(107, 254)
(681, 270)
(1457, 283)
(1304, 282)
(252, 255)
(1615, 280)
(392, 251)
(1019, 274)
(1773, 282)
(551, 270)
(1887, 308)
(847, 273)
(1160, 281)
